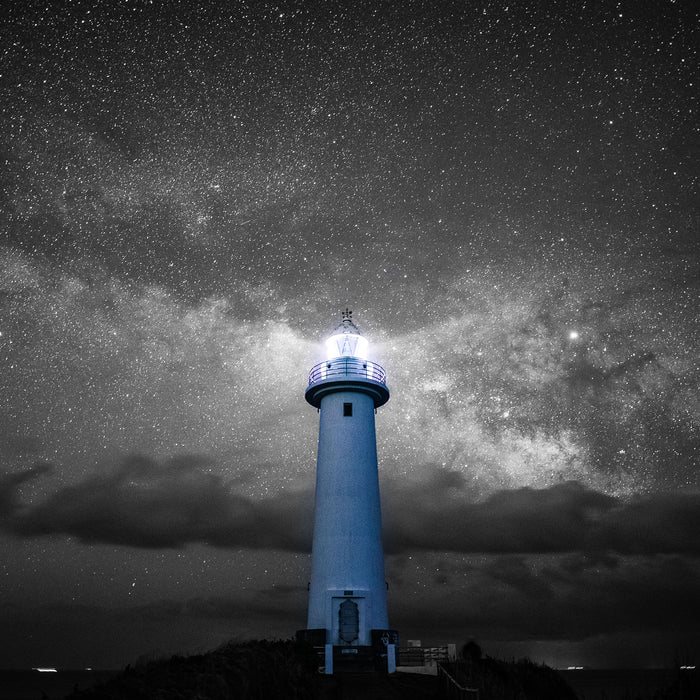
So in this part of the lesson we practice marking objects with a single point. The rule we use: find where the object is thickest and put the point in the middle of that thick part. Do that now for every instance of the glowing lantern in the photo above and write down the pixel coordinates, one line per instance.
(346, 341)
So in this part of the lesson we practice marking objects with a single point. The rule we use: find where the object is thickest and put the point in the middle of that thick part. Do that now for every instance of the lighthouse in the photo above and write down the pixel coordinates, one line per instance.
(348, 590)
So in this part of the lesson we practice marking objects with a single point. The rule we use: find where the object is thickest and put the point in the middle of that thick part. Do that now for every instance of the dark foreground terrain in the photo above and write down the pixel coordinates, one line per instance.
(285, 670)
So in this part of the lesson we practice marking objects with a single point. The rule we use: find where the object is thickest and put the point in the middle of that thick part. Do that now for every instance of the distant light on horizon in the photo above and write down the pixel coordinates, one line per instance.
(45, 670)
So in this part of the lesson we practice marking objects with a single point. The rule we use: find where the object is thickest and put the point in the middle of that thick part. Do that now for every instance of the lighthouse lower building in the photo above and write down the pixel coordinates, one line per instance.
(348, 589)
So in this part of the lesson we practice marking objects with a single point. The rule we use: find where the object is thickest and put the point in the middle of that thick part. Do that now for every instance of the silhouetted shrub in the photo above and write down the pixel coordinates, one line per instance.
(256, 670)
(471, 651)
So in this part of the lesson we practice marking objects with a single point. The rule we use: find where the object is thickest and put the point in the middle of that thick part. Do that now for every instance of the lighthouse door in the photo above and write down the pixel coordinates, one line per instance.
(348, 622)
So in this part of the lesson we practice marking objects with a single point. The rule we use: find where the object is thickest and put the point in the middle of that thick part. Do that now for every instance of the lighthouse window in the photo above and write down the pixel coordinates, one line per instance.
(347, 409)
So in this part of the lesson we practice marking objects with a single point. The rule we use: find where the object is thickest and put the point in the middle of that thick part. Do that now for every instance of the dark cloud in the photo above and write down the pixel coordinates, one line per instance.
(9, 483)
(564, 517)
(150, 504)
(577, 597)
(280, 601)
(145, 503)
(105, 637)
(570, 597)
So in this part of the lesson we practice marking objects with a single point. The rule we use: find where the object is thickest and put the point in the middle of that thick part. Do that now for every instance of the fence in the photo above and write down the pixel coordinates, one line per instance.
(452, 689)
(347, 367)
(423, 656)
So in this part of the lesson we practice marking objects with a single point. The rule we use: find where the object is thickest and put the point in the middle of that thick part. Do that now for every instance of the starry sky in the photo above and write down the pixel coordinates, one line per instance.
(504, 193)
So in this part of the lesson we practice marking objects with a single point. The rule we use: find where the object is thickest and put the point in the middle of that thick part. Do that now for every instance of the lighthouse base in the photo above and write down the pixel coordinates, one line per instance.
(381, 657)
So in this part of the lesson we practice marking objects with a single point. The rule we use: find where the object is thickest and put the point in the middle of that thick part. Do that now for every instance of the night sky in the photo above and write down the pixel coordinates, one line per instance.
(506, 196)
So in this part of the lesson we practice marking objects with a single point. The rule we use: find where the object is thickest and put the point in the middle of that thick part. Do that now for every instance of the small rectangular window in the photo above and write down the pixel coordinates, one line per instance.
(347, 409)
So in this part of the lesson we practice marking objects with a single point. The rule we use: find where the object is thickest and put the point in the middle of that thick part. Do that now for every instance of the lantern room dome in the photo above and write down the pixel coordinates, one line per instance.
(346, 341)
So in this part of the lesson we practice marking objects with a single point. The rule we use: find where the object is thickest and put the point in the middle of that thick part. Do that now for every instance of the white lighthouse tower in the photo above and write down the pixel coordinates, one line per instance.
(347, 593)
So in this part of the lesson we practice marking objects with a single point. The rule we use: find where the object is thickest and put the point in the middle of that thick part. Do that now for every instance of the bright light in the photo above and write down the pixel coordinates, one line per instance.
(573, 335)
(346, 345)
(46, 670)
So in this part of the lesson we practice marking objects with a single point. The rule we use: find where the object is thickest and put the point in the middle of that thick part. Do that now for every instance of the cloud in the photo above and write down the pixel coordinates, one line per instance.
(565, 596)
(75, 634)
(434, 515)
(149, 504)
(9, 483)
(270, 603)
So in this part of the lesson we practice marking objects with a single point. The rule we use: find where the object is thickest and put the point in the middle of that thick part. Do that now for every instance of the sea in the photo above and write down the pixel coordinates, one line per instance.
(36, 685)
(589, 684)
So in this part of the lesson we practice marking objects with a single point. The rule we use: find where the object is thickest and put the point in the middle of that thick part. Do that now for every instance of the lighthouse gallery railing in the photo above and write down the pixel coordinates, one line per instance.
(347, 367)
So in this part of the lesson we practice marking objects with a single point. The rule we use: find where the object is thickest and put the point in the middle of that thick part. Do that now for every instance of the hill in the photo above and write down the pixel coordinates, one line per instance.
(287, 670)
(255, 670)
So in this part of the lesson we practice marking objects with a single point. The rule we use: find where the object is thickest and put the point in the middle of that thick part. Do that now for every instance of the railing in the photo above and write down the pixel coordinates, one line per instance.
(423, 656)
(452, 689)
(347, 367)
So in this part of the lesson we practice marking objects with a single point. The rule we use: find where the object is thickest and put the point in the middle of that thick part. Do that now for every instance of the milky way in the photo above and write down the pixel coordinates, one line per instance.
(506, 196)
